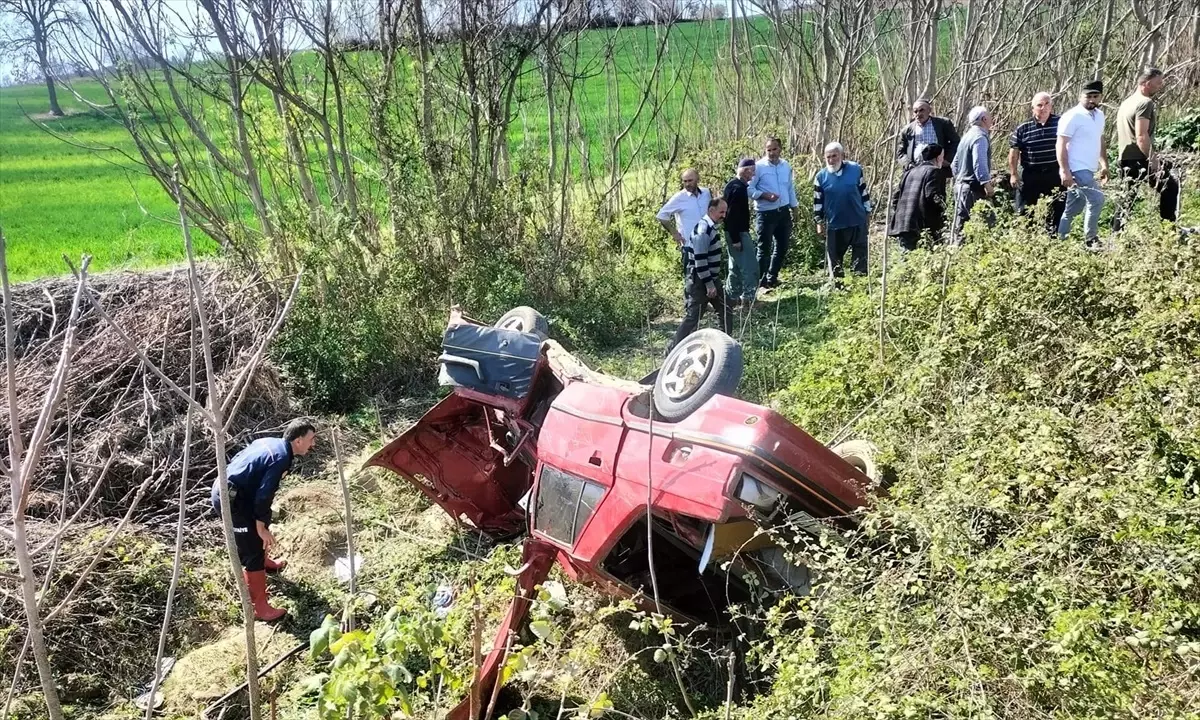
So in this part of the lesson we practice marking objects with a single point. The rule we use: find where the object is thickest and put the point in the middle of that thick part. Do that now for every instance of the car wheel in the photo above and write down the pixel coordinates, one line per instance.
(861, 454)
(706, 363)
(526, 320)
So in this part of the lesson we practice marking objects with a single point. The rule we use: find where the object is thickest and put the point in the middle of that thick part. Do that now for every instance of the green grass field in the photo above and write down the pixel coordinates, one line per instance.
(57, 198)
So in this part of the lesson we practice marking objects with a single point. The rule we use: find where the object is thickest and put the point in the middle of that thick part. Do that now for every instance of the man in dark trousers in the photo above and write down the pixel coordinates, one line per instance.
(773, 190)
(1032, 145)
(702, 283)
(919, 202)
(1137, 119)
(972, 172)
(253, 477)
(926, 129)
(742, 283)
(841, 207)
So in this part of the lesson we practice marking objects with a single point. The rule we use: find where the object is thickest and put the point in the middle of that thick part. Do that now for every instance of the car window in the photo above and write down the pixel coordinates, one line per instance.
(564, 504)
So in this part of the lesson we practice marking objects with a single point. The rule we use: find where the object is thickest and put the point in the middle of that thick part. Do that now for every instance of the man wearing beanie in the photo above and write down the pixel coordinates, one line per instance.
(742, 283)
(1082, 162)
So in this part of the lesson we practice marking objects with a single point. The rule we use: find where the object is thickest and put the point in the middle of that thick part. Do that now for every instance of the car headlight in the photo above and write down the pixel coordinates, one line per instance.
(755, 492)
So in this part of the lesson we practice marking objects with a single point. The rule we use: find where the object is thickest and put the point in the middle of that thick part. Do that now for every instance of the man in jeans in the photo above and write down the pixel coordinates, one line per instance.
(702, 281)
(742, 282)
(1082, 162)
(774, 195)
(972, 170)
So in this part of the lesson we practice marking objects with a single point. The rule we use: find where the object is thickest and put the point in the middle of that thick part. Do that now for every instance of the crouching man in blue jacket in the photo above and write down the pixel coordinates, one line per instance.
(254, 475)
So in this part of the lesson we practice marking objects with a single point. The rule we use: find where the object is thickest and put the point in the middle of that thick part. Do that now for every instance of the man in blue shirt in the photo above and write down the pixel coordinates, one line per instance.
(253, 477)
(972, 170)
(841, 203)
(774, 195)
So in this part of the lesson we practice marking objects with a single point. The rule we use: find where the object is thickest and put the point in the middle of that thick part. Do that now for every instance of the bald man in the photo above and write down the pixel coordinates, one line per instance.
(1032, 147)
(972, 171)
(683, 210)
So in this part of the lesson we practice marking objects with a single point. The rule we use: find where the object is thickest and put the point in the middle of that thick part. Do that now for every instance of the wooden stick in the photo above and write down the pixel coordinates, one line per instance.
(177, 562)
(349, 516)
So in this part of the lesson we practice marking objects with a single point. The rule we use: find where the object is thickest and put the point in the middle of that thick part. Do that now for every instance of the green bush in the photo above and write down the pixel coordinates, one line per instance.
(1038, 554)
(1181, 134)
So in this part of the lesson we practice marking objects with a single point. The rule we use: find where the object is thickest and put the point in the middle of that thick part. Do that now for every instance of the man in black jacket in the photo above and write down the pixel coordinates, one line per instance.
(925, 129)
(742, 282)
(919, 202)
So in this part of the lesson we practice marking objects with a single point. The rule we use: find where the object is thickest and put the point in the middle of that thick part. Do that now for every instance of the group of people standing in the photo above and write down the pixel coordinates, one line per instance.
(1062, 159)
(693, 216)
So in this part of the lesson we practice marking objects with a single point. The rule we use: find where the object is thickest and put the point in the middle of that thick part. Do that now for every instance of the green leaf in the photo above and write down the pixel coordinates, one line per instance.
(350, 638)
(318, 643)
(541, 629)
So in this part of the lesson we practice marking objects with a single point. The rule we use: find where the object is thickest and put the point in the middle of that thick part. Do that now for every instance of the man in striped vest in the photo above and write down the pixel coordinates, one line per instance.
(702, 279)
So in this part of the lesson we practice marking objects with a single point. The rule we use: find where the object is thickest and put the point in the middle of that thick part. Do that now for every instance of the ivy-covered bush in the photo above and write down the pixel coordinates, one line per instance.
(1039, 553)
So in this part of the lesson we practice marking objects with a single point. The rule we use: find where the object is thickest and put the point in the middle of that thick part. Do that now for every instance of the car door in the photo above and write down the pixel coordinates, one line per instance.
(453, 455)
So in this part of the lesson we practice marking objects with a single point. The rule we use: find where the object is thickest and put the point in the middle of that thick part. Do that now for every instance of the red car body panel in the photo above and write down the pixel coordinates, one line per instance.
(536, 561)
(448, 456)
(602, 434)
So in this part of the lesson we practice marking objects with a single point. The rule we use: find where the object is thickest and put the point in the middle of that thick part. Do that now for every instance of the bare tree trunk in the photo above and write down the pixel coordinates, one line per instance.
(737, 70)
(341, 466)
(55, 109)
(427, 134)
(217, 426)
(1105, 36)
(931, 50)
(177, 560)
(551, 112)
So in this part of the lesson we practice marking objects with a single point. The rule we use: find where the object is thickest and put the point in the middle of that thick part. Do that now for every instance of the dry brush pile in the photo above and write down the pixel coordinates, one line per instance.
(125, 426)
(104, 497)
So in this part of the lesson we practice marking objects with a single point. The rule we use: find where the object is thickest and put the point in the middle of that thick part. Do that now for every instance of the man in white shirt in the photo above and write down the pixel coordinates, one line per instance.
(683, 210)
(774, 193)
(1083, 165)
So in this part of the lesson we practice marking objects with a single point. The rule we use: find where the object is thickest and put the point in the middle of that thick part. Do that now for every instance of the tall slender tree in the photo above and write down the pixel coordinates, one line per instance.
(30, 32)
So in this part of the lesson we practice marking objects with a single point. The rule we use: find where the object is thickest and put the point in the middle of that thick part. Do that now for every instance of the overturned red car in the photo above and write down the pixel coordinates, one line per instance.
(532, 441)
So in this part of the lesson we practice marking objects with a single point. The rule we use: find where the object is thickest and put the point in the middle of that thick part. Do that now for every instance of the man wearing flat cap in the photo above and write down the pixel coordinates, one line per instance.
(1082, 162)
(742, 282)
(972, 170)
(926, 129)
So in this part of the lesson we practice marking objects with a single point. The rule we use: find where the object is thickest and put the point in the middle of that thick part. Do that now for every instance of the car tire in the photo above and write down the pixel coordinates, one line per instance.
(706, 363)
(861, 454)
(526, 320)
